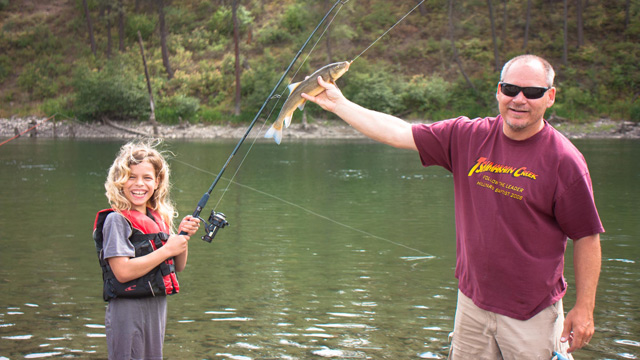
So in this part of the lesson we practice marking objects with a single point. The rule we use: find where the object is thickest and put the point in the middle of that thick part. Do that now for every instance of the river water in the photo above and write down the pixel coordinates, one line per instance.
(336, 249)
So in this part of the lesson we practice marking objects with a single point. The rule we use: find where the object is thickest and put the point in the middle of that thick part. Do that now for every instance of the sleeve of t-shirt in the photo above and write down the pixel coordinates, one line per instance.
(434, 142)
(575, 210)
(116, 232)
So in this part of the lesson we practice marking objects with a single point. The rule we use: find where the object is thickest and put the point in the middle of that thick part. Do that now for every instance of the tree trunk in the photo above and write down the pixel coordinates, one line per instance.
(109, 39)
(454, 49)
(121, 25)
(305, 123)
(89, 27)
(496, 55)
(580, 23)
(627, 11)
(422, 8)
(504, 22)
(565, 54)
(236, 40)
(528, 24)
(328, 38)
(152, 117)
(163, 40)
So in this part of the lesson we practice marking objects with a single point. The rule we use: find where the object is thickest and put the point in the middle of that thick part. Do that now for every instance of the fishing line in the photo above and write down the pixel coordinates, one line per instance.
(230, 181)
(205, 198)
(317, 41)
(309, 211)
(391, 28)
(298, 70)
(277, 101)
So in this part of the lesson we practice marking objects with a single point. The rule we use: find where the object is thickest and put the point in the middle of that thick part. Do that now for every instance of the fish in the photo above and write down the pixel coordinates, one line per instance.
(330, 73)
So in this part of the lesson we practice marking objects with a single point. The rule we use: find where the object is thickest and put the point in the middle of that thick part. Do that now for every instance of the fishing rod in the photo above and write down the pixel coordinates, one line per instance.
(217, 220)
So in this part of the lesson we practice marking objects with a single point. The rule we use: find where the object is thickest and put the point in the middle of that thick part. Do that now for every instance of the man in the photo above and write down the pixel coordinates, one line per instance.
(521, 190)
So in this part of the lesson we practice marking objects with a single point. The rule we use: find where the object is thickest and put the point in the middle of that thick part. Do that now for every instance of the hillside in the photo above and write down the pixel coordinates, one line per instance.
(47, 65)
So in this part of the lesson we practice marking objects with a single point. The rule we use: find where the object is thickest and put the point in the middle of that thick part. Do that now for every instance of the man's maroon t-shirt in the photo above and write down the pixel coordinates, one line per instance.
(516, 204)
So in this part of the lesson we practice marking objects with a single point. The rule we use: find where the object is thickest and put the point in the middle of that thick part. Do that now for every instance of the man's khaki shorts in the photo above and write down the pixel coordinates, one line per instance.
(480, 334)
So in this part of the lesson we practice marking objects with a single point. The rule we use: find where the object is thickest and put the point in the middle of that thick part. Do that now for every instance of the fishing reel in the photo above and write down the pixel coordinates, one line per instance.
(217, 220)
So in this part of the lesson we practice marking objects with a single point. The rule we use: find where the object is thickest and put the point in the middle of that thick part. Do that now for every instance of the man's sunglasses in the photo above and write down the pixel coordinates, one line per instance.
(530, 92)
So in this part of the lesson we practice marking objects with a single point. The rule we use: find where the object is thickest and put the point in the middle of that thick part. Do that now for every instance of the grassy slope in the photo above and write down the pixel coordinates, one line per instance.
(55, 33)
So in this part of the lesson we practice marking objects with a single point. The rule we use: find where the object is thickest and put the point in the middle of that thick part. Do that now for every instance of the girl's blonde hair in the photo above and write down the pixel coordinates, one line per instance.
(134, 153)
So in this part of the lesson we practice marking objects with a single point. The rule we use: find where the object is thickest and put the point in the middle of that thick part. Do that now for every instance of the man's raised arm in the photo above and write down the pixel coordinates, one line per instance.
(378, 126)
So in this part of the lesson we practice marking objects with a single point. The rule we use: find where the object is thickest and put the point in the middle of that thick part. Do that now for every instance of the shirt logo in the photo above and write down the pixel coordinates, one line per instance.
(483, 165)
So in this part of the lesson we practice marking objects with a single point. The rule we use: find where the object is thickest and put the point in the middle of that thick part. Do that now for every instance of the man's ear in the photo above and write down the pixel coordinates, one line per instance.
(551, 94)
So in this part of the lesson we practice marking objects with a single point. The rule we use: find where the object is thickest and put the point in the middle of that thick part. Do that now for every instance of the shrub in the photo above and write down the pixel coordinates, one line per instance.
(466, 101)
(210, 115)
(222, 20)
(295, 17)
(45, 42)
(379, 15)
(110, 93)
(170, 110)
(257, 84)
(38, 78)
(272, 36)
(60, 106)
(634, 110)
(426, 95)
(208, 84)
(138, 22)
(5, 67)
(375, 89)
(575, 104)
(180, 19)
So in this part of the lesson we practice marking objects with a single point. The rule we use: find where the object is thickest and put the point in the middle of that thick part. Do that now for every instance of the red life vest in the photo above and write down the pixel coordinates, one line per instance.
(149, 233)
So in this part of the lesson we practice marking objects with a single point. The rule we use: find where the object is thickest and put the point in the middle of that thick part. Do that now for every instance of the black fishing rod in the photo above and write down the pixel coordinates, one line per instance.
(217, 220)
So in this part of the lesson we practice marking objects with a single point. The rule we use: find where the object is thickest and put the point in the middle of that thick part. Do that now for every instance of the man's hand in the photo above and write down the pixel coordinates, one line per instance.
(329, 98)
(578, 328)
(579, 323)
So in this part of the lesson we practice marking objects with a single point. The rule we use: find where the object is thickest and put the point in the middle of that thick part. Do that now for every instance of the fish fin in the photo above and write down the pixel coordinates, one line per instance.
(293, 86)
(287, 120)
(301, 106)
(275, 134)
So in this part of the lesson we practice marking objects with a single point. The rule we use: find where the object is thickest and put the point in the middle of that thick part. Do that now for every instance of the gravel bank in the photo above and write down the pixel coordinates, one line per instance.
(43, 128)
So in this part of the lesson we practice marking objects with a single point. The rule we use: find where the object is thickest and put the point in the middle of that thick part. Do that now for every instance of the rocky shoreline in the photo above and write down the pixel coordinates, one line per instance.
(327, 129)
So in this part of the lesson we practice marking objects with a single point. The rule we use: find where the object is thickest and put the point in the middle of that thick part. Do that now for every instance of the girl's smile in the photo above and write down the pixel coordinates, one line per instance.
(140, 186)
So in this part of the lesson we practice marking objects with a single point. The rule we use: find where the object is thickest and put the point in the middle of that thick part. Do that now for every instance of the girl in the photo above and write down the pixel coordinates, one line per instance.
(139, 258)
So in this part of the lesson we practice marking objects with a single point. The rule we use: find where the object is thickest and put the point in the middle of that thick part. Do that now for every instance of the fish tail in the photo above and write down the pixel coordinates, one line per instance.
(274, 133)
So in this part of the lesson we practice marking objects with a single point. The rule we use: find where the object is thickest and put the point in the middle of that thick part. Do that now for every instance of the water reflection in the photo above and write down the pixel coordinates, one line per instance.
(336, 250)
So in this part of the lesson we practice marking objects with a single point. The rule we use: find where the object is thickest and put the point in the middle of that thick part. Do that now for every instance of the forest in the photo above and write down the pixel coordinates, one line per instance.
(217, 61)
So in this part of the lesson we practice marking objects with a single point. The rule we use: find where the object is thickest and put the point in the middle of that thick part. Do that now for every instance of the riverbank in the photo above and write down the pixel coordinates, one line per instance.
(326, 129)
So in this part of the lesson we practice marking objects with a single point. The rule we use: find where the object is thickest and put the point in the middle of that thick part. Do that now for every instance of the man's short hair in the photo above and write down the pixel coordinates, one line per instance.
(548, 69)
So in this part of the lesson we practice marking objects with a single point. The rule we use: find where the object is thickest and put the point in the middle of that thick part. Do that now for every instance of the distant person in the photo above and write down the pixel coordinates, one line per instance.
(521, 190)
(138, 253)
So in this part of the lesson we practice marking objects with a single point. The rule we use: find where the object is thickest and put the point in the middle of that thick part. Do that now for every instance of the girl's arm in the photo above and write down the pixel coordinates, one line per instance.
(126, 269)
